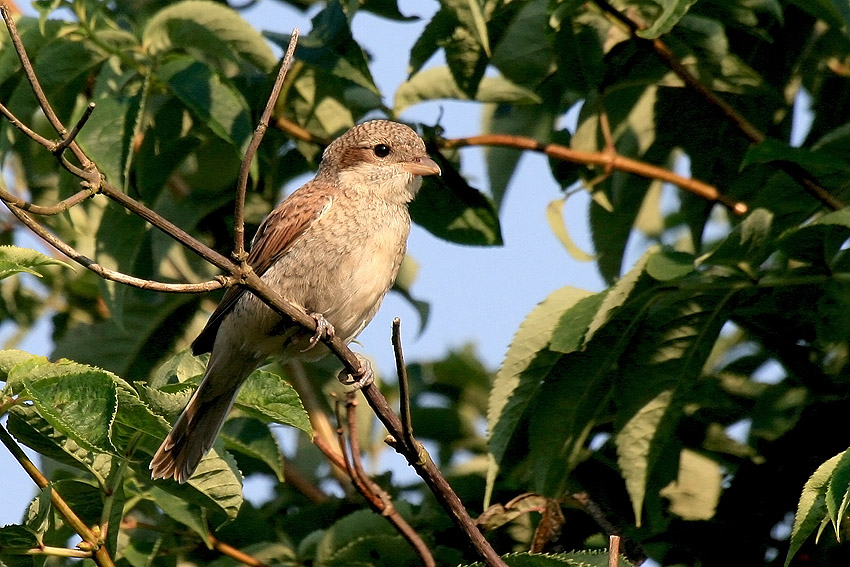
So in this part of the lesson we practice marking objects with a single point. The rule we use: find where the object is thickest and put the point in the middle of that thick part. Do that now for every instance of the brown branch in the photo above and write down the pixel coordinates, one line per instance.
(55, 209)
(104, 272)
(90, 540)
(665, 54)
(259, 132)
(606, 159)
(292, 129)
(233, 553)
(298, 481)
(613, 550)
(403, 385)
(377, 498)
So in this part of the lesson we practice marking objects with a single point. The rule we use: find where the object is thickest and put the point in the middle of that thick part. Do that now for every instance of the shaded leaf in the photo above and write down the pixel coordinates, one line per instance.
(253, 438)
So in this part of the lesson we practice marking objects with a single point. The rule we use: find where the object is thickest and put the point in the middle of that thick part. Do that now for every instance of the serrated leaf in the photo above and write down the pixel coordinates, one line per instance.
(812, 509)
(179, 368)
(750, 243)
(14, 260)
(526, 52)
(77, 400)
(268, 396)
(331, 48)
(437, 83)
(216, 483)
(35, 432)
(837, 493)
(518, 377)
(17, 538)
(209, 29)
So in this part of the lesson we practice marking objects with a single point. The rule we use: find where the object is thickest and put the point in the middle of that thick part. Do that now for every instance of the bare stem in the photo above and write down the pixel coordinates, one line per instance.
(403, 385)
(259, 132)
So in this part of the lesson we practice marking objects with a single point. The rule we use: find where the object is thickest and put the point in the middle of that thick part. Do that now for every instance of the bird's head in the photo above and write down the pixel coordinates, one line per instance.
(379, 156)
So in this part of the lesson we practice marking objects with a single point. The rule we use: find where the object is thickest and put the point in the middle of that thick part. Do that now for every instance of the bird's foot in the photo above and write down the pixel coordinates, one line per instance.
(363, 379)
(323, 330)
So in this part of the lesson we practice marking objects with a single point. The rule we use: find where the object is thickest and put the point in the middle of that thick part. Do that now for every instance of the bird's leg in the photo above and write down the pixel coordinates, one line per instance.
(363, 379)
(323, 330)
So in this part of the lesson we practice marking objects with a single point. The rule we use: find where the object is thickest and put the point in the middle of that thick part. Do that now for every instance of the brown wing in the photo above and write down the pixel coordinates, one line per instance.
(280, 229)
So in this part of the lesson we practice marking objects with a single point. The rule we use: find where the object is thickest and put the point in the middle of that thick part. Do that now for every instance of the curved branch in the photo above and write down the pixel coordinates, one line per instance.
(607, 159)
(104, 272)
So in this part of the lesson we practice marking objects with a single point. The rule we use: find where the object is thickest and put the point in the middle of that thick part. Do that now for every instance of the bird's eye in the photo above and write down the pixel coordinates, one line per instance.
(381, 150)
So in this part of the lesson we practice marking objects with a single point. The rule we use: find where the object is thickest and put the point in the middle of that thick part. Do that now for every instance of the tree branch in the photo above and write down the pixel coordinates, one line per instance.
(100, 554)
(259, 132)
(665, 54)
(607, 159)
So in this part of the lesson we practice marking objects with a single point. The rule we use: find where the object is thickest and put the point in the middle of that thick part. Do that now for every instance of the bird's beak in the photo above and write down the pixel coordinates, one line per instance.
(422, 166)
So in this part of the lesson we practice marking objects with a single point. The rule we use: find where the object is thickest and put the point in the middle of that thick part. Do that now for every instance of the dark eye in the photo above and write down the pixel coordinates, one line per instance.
(381, 150)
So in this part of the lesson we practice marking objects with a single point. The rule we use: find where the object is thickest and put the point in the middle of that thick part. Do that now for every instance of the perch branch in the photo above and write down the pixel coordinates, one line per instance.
(403, 385)
(747, 128)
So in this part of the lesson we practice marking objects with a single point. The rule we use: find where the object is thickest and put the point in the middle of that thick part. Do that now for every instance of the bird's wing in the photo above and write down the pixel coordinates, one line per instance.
(276, 234)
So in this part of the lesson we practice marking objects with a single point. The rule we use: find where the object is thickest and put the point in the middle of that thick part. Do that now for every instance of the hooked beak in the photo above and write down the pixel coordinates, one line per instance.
(422, 166)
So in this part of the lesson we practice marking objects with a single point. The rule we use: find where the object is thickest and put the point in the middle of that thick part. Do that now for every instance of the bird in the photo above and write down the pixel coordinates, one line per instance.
(333, 248)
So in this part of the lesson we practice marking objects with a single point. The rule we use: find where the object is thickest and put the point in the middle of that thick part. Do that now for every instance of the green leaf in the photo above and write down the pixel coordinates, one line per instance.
(633, 447)
(269, 397)
(253, 438)
(838, 493)
(437, 31)
(209, 30)
(569, 334)
(525, 53)
(16, 538)
(669, 265)
(14, 260)
(213, 100)
(518, 377)
(437, 83)
(812, 508)
(672, 11)
(77, 400)
(749, 244)
(190, 515)
(555, 218)
(331, 48)
(694, 495)
(449, 208)
(179, 368)
(216, 484)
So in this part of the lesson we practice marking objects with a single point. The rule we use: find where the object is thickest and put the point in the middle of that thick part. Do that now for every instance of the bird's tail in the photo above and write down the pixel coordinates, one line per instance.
(197, 427)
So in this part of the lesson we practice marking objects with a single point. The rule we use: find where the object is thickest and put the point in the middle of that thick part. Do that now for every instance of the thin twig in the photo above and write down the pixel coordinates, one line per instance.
(55, 209)
(606, 159)
(85, 162)
(259, 132)
(665, 54)
(68, 138)
(374, 494)
(403, 385)
(100, 554)
(106, 273)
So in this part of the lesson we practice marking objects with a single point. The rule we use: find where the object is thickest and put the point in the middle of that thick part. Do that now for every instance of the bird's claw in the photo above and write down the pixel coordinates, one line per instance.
(323, 330)
(363, 379)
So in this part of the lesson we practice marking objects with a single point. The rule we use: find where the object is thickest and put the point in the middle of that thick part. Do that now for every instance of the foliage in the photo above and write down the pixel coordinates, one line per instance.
(685, 405)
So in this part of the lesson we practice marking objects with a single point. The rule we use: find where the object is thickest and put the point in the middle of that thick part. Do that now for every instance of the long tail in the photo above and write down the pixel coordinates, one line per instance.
(197, 427)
